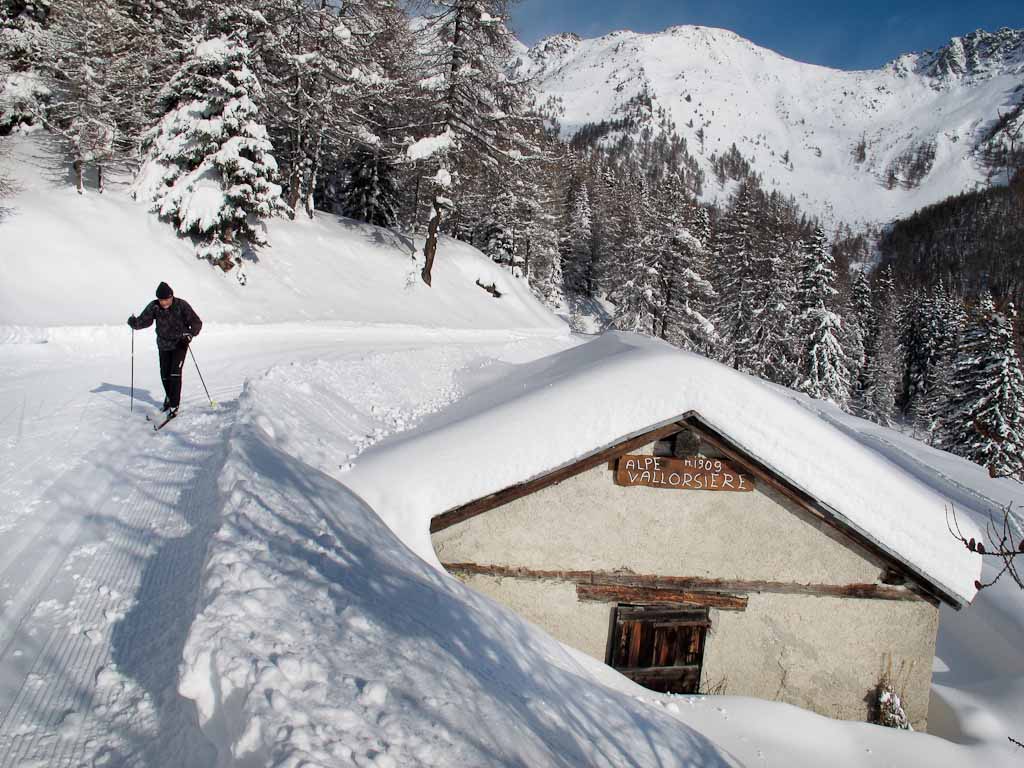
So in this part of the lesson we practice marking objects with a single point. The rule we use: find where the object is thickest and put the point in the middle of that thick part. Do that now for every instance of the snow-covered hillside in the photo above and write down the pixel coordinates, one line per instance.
(219, 595)
(103, 255)
(847, 145)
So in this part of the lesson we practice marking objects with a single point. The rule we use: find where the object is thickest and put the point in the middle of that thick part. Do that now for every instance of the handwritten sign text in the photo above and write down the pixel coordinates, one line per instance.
(695, 473)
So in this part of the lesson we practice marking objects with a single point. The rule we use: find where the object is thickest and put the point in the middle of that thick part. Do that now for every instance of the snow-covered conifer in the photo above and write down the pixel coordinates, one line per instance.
(985, 417)
(89, 60)
(576, 245)
(497, 232)
(370, 194)
(23, 91)
(860, 331)
(736, 252)
(324, 72)
(637, 277)
(477, 113)
(882, 366)
(774, 348)
(824, 372)
(688, 295)
(210, 157)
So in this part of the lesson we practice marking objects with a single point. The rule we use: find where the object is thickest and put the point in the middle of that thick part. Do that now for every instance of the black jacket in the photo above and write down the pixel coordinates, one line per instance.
(171, 323)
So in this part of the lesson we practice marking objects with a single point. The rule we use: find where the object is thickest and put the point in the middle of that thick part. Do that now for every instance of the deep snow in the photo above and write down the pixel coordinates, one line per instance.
(217, 594)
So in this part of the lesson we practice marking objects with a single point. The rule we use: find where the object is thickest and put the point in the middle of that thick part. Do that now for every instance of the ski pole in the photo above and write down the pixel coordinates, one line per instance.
(213, 403)
(131, 402)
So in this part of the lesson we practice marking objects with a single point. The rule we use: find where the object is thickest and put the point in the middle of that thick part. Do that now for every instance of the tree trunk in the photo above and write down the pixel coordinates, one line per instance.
(79, 167)
(664, 318)
(314, 171)
(294, 189)
(416, 214)
(430, 247)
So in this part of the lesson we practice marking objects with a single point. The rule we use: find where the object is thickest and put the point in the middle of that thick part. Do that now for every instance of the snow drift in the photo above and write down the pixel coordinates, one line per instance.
(567, 406)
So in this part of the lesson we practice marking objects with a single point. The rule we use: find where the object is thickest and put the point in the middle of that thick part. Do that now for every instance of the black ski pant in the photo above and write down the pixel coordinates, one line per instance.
(171, 363)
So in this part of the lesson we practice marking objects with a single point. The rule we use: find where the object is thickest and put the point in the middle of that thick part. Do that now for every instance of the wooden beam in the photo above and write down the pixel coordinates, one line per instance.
(472, 509)
(595, 593)
(688, 584)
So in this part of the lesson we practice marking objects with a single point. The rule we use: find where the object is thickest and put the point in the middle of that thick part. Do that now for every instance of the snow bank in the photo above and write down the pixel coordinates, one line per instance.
(547, 414)
(95, 259)
(321, 639)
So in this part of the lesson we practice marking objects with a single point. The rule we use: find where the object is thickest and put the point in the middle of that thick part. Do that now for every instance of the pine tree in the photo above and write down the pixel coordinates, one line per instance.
(861, 327)
(89, 59)
(23, 94)
(985, 418)
(636, 281)
(539, 214)
(952, 324)
(542, 258)
(688, 295)
(218, 164)
(497, 236)
(735, 249)
(576, 243)
(918, 342)
(478, 114)
(370, 194)
(330, 81)
(824, 372)
(882, 367)
(774, 349)
(777, 342)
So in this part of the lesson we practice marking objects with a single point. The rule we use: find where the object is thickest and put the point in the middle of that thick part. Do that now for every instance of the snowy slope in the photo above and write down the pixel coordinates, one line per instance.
(305, 584)
(769, 106)
(217, 594)
(71, 260)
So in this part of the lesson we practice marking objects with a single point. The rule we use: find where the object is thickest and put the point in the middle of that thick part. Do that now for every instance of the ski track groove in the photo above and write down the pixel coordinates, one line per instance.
(21, 472)
(61, 678)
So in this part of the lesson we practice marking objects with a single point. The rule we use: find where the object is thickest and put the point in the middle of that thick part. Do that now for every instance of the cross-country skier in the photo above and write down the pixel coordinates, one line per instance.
(176, 325)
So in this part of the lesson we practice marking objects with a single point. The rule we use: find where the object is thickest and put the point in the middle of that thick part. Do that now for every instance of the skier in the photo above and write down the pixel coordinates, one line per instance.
(176, 325)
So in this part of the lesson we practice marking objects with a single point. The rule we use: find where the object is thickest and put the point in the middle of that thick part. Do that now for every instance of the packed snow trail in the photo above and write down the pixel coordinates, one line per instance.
(93, 633)
(106, 527)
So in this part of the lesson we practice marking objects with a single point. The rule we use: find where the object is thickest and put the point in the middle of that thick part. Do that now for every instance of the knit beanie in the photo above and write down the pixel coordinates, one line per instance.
(163, 291)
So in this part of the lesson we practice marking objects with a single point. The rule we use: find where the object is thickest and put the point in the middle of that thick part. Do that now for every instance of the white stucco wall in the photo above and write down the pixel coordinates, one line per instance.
(821, 653)
(589, 523)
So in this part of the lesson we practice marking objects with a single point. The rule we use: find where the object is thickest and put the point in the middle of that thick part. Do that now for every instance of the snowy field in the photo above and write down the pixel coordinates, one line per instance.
(218, 594)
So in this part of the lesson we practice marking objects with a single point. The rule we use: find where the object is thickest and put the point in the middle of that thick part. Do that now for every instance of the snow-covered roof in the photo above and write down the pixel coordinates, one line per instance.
(544, 415)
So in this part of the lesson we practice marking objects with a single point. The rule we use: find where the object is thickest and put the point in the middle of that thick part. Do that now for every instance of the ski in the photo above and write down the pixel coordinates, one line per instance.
(162, 424)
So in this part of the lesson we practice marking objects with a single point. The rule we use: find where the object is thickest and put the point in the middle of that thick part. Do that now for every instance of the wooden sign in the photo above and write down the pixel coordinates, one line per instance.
(695, 473)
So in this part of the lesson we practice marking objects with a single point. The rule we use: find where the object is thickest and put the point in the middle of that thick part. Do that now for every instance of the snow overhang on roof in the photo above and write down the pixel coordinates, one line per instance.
(553, 412)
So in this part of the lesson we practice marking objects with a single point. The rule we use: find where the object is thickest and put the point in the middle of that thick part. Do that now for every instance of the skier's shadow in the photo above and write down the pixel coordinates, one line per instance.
(142, 395)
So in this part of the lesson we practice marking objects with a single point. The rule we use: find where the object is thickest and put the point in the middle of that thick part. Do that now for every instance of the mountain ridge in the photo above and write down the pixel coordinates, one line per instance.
(860, 146)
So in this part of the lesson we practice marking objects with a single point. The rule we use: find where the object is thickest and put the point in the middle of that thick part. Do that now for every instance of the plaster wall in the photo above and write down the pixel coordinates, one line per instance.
(821, 653)
(589, 523)
(824, 654)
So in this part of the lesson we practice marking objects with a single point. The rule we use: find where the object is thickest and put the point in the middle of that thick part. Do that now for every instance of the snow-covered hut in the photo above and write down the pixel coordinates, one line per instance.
(695, 528)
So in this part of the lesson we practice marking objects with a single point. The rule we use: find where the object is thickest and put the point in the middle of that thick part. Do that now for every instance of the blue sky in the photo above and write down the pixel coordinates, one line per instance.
(860, 35)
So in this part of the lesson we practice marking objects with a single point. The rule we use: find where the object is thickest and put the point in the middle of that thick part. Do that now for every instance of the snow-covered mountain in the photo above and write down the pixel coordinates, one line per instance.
(864, 146)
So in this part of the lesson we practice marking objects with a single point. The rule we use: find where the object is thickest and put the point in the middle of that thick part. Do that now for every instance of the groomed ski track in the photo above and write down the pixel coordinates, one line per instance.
(106, 526)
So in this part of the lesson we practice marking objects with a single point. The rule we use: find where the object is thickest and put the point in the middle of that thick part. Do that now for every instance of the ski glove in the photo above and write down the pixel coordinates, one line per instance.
(185, 340)
(131, 321)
